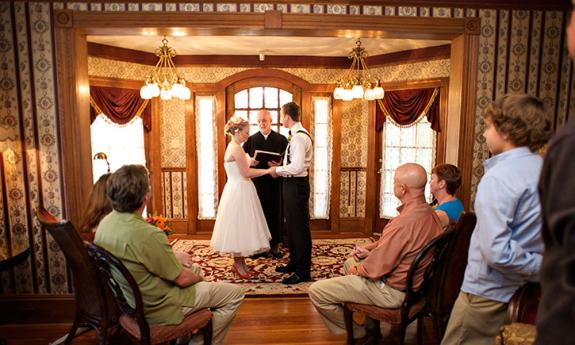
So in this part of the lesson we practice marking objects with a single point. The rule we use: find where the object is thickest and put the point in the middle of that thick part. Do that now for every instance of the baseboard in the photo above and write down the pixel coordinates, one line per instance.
(37, 309)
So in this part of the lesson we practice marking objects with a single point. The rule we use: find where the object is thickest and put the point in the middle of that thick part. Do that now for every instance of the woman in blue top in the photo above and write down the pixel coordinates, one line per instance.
(445, 180)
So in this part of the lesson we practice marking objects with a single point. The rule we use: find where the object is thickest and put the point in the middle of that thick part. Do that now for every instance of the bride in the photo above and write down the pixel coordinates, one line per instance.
(240, 229)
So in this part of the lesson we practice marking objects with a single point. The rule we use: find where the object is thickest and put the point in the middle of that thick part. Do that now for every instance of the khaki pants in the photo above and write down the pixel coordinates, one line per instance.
(328, 295)
(474, 320)
(223, 299)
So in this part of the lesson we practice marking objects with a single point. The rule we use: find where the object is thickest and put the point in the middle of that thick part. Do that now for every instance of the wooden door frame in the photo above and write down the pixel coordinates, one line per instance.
(71, 28)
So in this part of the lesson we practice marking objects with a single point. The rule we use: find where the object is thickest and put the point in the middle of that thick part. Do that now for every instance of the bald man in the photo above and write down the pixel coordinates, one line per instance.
(377, 274)
(269, 189)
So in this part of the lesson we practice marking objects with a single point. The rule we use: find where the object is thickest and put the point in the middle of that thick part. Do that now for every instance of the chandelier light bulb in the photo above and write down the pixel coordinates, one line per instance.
(177, 90)
(154, 90)
(186, 93)
(357, 91)
(145, 92)
(369, 95)
(338, 92)
(346, 95)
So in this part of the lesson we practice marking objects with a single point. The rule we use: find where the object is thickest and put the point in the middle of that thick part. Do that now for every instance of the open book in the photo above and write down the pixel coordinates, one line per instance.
(266, 156)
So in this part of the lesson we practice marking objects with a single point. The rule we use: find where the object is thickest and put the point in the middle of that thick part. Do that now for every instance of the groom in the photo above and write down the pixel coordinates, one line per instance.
(295, 171)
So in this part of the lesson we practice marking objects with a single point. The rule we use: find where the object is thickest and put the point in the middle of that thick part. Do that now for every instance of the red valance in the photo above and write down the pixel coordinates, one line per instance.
(120, 105)
(405, 107)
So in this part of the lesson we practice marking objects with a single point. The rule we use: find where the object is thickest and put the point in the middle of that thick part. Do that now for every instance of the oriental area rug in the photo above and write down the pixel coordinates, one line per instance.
(328, 257)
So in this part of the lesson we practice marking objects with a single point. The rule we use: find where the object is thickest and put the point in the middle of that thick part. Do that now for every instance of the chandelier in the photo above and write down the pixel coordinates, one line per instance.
(357, 82)
(164, 80)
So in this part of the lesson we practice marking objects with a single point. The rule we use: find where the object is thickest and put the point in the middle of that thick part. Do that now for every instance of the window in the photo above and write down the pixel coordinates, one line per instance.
(249, 102)
(122, 144)
(415, 143)
(322, 158)
(206, 150)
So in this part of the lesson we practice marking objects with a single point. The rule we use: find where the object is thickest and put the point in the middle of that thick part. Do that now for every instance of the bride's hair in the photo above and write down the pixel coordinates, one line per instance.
(235, 124)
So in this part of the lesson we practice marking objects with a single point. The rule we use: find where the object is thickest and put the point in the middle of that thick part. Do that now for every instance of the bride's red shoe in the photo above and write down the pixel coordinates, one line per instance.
(246, 275)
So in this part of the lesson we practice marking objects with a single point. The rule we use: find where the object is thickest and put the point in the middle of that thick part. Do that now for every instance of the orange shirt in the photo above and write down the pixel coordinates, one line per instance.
(400, 242)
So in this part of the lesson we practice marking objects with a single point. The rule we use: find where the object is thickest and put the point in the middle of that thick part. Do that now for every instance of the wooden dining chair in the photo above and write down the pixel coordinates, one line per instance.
(522, 314)
(95, 306)
(132, 319)
(413, 305)
(444, 289)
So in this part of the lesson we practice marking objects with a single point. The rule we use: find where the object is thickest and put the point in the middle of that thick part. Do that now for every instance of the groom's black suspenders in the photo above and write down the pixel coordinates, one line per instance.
(299, 131)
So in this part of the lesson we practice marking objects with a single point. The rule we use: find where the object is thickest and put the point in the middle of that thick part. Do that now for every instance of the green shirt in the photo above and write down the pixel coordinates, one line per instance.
(145, 251)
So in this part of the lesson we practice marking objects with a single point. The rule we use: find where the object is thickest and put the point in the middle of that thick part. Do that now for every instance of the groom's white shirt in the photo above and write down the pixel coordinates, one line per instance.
(300, 151)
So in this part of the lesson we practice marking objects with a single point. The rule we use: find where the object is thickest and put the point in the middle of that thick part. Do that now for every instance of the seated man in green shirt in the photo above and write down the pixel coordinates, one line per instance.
(169, 290)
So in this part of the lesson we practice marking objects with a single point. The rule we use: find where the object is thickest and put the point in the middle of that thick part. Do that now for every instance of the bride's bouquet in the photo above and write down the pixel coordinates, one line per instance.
(160, 222)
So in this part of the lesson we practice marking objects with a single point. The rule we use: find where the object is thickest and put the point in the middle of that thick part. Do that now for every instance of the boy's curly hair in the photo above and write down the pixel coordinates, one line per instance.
(522, 119)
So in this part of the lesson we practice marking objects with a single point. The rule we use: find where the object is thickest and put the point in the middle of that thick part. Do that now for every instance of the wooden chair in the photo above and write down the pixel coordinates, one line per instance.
(413, 305)
(95, 306)
(522, 314)
(132, 319)
(524, 303)
(444, 289)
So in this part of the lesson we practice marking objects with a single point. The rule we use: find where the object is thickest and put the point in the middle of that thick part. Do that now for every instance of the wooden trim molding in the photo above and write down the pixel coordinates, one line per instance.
(150, 59)
(74, 108)
(23, 309)
(116, 82)
(264, 73)
(410, 56)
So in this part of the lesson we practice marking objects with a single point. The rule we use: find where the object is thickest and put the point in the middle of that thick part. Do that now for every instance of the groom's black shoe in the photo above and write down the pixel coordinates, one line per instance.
(276, 254)
(285, 269)
(295, 279)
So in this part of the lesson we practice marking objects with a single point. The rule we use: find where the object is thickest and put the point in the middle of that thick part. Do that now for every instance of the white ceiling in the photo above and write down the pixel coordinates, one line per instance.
(269, 45)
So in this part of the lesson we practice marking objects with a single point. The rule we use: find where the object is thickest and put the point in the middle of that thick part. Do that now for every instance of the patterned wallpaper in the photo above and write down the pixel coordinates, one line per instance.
(520, 51)
(31, 163)
(354, 123)
(173, 133)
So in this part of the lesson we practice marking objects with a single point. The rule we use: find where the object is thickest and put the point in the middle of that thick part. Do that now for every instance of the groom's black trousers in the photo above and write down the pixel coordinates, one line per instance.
(296, 213)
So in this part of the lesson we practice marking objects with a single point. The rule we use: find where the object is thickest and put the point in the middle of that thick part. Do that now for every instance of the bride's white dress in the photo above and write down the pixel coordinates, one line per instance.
(240, 227)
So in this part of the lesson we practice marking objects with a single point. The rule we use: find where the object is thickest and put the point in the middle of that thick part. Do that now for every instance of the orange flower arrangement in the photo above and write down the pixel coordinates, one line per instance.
(160, 222)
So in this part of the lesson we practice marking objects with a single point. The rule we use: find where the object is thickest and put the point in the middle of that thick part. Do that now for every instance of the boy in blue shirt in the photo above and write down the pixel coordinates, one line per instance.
(506, 245)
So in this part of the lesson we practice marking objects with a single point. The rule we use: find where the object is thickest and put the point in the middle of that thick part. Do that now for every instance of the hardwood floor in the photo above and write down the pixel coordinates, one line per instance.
(260, 321)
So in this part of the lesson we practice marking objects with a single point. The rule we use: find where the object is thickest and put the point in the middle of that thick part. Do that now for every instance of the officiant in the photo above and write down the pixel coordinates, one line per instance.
(269, 189)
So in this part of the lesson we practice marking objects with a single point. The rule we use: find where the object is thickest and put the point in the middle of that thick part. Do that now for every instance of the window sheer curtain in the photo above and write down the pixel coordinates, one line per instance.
(409, 135)
(119, 117)
(123, 144)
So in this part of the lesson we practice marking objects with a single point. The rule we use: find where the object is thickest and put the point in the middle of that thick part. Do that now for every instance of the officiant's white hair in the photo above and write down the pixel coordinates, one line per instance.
(235, 124)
